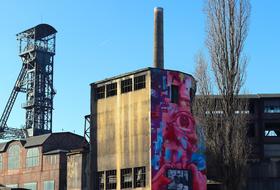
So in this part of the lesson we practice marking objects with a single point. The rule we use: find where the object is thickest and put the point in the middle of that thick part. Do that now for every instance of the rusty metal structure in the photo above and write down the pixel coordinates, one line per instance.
(36, 50)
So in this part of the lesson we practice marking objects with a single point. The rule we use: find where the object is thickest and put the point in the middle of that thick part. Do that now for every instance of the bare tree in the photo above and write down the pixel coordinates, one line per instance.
(224, 116)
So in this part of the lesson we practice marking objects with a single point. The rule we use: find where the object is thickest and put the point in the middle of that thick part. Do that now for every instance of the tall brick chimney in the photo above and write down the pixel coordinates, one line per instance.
(158, 38)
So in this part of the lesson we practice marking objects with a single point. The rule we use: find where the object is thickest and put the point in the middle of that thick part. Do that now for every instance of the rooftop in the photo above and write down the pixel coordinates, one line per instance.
(135, 72)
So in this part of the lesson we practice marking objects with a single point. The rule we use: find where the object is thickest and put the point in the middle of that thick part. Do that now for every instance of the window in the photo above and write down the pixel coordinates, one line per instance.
(126, 178)
(272, 109)
(179, 179)
(272, 130)
(13, 157)
(139, 82)
(32, 157)
(31, 186)
(100, 92)
(1, 162)
(111, 179)
(126, 85)
(174, 94)
(12, 185)
(111, 89)
(101, 179)
(271, 106)
(251, 130)
(139, 177)
(49, 185)
(51, 159)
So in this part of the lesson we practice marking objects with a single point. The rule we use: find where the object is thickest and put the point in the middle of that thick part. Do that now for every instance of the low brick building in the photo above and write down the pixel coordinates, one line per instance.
(38, 162)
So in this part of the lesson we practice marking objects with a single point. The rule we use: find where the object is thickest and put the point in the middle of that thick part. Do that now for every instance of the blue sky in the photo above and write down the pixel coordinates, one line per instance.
(99, 39)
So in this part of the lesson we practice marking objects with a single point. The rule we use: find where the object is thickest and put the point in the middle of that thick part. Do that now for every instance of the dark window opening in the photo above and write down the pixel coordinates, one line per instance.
(100, 92)
(111, 179)
(139, 177)
(111, 89)
(251, 130)
(272, 130)
(101, 179)
(139, 82)
(126, 85)
(252, 108)
(174, 94)
(272, 109)
(126, 178)
(192, 94)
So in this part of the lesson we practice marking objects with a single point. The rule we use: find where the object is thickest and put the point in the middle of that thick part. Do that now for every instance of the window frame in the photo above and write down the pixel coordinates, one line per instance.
(139, 82)
(124, 173)
(126, 85)
(30, 185)
(100, 92)
(142, 182)
(45, 187)
(111, 89)
(35, 159)
(12, 157)
(101, 180)
(108, 184)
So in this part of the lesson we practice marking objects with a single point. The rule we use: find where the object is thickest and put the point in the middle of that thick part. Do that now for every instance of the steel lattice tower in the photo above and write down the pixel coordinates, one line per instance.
(37, 50)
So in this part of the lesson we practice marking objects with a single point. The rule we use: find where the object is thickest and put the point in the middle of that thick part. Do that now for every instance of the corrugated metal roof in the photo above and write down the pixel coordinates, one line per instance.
(3, 146)
(36, 140)
(39, 140)
(134, 72)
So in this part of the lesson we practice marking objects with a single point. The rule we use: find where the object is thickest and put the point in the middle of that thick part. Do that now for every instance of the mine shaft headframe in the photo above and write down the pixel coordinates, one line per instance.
(40, 37)
(37, 50)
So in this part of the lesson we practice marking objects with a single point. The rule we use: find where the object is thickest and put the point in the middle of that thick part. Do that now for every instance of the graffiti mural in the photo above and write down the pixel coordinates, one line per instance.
(177, 151)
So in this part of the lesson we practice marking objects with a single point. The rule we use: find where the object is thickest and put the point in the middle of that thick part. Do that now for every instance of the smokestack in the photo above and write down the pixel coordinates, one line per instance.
(158, 38)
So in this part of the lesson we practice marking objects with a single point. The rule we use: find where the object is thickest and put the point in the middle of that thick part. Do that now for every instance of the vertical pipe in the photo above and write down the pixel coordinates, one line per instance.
(158, 38)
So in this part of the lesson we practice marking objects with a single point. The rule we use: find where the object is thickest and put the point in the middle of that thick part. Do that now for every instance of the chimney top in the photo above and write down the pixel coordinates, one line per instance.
(158, 38)
(158, 9)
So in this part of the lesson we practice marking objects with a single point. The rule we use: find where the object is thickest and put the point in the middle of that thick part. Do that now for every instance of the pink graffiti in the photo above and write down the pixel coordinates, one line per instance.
(179, 136)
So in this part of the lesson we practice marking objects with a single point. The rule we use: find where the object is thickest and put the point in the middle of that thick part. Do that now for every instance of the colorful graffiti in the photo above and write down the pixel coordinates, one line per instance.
(177, 151)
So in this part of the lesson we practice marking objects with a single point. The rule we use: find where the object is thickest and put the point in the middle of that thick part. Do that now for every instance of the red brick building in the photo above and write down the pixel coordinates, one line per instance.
(39, 162)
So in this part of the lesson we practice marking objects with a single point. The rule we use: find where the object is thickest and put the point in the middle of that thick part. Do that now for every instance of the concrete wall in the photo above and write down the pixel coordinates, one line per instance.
(77, 171)
(123, 128)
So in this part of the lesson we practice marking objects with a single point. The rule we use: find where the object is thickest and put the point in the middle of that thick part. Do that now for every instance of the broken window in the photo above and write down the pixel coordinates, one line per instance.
(139, 82)
(101, 179)
(126, 85)
(111, 179)
(272, 109)
(272, 106)
(111, 89)
(126, 178)
(100, 92)
(272, 130)
(139, 177)
(174, 94)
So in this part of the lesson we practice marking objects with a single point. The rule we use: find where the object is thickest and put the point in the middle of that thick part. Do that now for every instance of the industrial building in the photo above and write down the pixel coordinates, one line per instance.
(34, 157)
(39, 162)
(142, 132)
(264, 134)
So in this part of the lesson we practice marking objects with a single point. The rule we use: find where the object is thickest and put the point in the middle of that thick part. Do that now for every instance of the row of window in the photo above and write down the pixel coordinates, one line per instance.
(130, 178)
(126, 86)
(272, 109)
(32, 157)
(48, 185)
